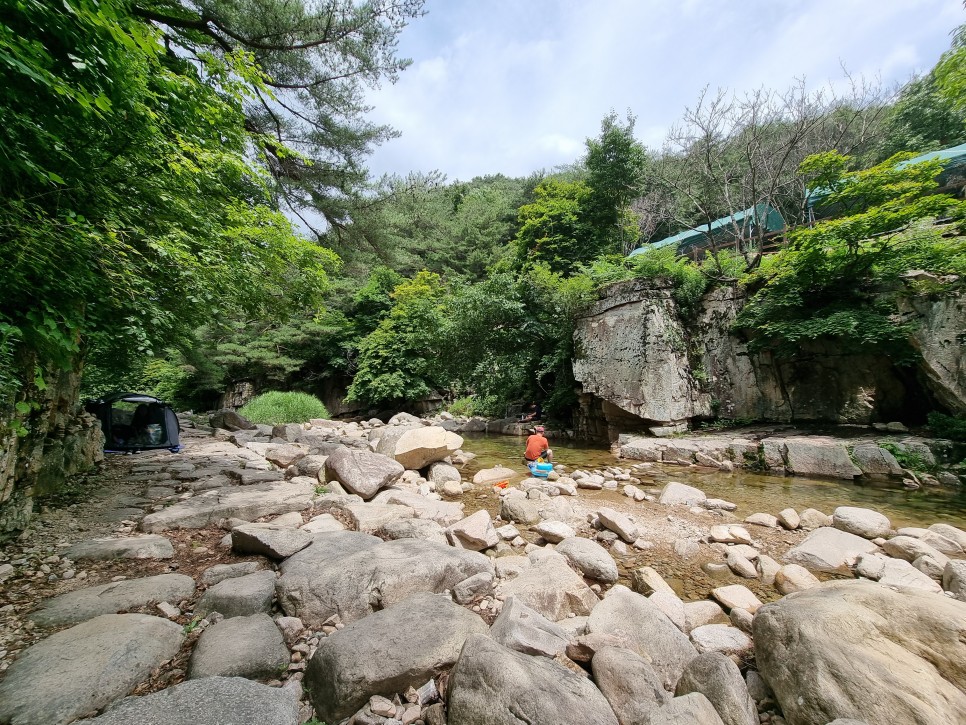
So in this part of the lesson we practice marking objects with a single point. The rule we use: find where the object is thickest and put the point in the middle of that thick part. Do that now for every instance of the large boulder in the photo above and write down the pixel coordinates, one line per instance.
(388, 652)
(208, 701)
(249, 647)
(442, 512)
(629, 683)
(239, 596)
(647, 629)
(80, 670)
(686, 710)
(894, 573)
(519, 510)
(875, 461)
(830, 550)
(475, 532)
(493, 685)
(526, 630)
(81, 604)
(230, 420)
(860, 650)
(862, 522)
(270, 540)
(416, 448)
(552, 588)
(819, 456)
(361, 472)
(718, 678)
(147, 546)
(414, 529)
(439, 473)
(590, 558)
(357, 583)
(679, 494)
(954, 579)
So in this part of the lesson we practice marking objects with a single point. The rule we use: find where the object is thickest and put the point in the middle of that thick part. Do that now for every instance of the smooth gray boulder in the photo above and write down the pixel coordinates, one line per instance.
(426, 632)
(439, 473)
(620, 524)
(686, 710)
(77, 671)
(856, 649)
(552, 588)
(629, 682)
(230, 420)
(209, 701)
(146, 546)
(519, 510)
(954, 579)
(475, 532)
(361, 472)
(590, 558)
(862, 522)
(220, 572)
(473, 588)
(679, 494)
(269, 540)
(910, 549)
(493, 685)
(648, 630)
(250, 647)
(414, 529)
(247, 503)
(950, 532)
(718, 678)
(417, 447)
(328, 547)
(442, 512)
(819, 456)
(239, 596)
(526, 630)
(82, 604)
(357, 584)
(875, 461)
(322, 524)
(829, 550)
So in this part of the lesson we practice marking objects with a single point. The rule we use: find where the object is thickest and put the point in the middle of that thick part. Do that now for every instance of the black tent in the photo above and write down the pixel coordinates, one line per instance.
(136, 422)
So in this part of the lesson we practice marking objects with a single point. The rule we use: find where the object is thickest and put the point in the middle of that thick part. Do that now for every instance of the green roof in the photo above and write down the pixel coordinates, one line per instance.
(720, 227)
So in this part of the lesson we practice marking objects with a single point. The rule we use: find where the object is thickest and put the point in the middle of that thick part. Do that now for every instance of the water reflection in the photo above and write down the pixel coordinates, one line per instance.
(752, 492)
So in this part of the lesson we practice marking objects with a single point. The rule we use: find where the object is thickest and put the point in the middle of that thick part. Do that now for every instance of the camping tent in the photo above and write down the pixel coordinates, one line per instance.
(136, 422)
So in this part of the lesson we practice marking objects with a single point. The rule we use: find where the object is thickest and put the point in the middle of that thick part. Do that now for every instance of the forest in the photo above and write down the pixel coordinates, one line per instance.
(185, 206)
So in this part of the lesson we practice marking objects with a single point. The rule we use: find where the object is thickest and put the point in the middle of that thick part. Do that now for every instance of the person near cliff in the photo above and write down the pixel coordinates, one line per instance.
(538, 447)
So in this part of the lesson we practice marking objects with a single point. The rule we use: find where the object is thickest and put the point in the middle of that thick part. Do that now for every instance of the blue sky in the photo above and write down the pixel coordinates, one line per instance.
(513, 86)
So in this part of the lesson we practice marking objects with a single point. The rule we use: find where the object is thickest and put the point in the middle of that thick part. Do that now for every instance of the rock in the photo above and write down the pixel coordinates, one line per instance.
(474, 587)
(291, 520)
(371, 517)
(789, 519)
(291, 629)
(90, 602)
(492, 684)
(722, 638)
(453, 489)
(829, 550)
(794, 578)
(860, 650)
(730, 534)
(812, 519)
(930, 567)
(862, 522)
(648, 630)
(590, 558)
(741, 566)
(757, 687)
(875, 461)
(284, 455)
(554, 531)
(444, 513)
(250, 647)
(248, 503)
(350, 665)
(819, 456)
(954, 579)
(322, 524)
(414, 529)
(525, 630)
(767, 569)
(362, 472)
(718, 678)
(717, 504)
(230, 420)
(742, 619)
(475, 532)
(239, 596)
(148, 546)
(590, 482)
(687, 710)
(354, 578)
(519, 510)
(220, 572)
(551, 588)
(672, 606)
(763, 520)
(312, 465)
(270, 540)
(629, 682)
(620, 524)
(678, 494)
(701, 612)
(489, 476)
(208, 701)
(950, 532)
(440, 473)
(646, 581)
(416, 448)
(80, 670)
(910, 549)
(736, 595)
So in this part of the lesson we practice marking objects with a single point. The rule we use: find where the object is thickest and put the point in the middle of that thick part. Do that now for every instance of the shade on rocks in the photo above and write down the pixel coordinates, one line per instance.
(210, 700)
(80, 670)
(426, 633)
(492, 685)
(860, 650)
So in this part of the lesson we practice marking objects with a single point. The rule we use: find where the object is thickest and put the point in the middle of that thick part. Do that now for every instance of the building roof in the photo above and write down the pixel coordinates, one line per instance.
(746, 218)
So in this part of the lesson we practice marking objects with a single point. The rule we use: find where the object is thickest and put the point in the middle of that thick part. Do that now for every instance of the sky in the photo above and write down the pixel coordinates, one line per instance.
(516, 86)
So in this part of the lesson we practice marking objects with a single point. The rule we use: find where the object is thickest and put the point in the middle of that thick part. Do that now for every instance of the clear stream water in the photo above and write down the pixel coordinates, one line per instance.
(752, 492)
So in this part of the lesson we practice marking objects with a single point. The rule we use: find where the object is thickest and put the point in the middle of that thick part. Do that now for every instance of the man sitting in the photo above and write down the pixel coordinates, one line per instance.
(538, 447)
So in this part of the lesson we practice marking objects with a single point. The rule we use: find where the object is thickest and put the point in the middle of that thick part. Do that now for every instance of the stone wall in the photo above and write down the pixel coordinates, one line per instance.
(62, 440)
(638, 360)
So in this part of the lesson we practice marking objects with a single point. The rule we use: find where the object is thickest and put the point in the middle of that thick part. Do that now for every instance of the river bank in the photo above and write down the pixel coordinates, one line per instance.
(357, 535)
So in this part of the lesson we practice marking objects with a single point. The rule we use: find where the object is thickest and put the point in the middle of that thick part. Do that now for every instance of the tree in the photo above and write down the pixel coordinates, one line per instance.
(553, 229)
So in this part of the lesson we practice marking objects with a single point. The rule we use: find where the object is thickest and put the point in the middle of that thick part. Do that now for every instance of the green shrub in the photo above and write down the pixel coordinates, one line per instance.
(462, 407)
(947, 426)
(276, 408)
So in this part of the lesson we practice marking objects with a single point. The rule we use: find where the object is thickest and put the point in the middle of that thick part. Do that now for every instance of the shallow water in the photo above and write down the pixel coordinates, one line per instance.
(752, 492)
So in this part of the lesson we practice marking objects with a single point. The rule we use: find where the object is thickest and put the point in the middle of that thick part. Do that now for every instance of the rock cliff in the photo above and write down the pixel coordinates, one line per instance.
(640, 362)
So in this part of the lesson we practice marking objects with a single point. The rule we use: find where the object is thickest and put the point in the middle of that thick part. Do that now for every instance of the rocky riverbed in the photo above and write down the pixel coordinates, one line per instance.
(354, 573)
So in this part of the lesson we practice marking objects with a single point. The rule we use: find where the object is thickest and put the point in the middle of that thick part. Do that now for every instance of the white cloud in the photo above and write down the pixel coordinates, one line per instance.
(510, 87)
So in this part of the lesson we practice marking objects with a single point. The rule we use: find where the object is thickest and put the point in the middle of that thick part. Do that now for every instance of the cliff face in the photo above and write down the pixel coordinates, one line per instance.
(638, 361)
(62, 440)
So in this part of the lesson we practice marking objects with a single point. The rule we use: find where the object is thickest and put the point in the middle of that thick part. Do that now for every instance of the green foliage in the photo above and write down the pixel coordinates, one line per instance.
(950, 71)
(277, 408)
(687, 279)
(948, 426)
(553, 229)
(463, 407)
(906, 459)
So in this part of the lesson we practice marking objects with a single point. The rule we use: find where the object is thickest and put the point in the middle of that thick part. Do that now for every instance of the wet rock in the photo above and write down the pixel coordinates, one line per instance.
(716, 676)
(829, 550)
(270, 540)
(590, 558)
(862, 522)
(239, 596)
(492, 684)
(80, 670)
(861, 650)
(525, 630)
(250, 647)
(148, 546)
(83, 604)
(629, 682)
(349, 666)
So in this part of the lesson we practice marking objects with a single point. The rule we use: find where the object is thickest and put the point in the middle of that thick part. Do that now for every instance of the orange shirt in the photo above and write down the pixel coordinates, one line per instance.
(536, 444)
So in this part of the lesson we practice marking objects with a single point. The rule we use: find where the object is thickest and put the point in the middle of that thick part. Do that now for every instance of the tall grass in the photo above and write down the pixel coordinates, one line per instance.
(276, 408)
